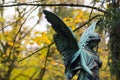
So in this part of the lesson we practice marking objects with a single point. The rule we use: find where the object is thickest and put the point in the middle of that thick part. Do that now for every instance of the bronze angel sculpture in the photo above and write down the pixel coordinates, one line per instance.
(77, 56)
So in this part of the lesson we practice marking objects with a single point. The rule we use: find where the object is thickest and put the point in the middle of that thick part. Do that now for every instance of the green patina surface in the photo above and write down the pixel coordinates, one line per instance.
(77, 56)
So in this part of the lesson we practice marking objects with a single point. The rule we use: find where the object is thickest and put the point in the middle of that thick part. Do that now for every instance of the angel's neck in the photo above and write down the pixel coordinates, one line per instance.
(89, 47)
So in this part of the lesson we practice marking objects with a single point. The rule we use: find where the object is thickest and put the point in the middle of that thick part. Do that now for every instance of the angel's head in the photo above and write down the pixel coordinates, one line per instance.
(93, 39)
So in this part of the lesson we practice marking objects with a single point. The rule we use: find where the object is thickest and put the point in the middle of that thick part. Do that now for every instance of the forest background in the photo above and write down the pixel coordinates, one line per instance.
(27, 50)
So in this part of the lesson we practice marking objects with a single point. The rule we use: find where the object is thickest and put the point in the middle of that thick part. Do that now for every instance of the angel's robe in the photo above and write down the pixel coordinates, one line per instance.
(83, 60)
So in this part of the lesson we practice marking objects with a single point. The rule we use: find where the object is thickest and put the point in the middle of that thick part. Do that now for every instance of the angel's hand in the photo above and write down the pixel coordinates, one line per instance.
(95, 75)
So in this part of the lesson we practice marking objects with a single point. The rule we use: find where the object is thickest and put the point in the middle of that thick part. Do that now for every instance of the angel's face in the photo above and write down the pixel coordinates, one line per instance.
(93, 40)
(93, 44)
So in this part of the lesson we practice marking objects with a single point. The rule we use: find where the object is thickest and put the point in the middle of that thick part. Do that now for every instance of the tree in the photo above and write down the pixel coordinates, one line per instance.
(113, 21)
(12, 35)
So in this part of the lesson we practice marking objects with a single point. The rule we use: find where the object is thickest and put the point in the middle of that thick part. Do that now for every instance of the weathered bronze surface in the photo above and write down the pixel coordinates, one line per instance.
(77, 56)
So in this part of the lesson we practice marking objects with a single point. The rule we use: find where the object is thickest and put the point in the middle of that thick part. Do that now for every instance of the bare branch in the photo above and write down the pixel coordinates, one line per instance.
(34, 73)
(23, 23)
(16, 20)
(37, 4)
(42, 72)
(87, 22)
(92, 10)
(35, 52)
(14, 41)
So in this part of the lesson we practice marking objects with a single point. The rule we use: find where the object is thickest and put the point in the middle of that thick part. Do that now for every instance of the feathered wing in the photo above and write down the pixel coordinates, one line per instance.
(65, 40)
(84, 36)
(83, 39)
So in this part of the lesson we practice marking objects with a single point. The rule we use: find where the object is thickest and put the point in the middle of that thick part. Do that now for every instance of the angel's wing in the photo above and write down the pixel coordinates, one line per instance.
(65, 40)
(62, 31)
(83, 40)
(84, 36)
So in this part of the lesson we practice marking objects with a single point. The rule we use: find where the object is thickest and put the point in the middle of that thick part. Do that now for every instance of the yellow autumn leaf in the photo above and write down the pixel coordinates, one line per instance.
(31, 42)
(37, 32)
(4, 55)
(46, 40)
(100, 50)
(10, 43)
(37, 39)
(2, 19)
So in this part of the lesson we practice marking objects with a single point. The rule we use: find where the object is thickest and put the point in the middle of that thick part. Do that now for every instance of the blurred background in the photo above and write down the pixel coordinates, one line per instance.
(27, 51)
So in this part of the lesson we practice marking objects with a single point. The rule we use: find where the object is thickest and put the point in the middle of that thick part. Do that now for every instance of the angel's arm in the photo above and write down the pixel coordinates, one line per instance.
(84, 66)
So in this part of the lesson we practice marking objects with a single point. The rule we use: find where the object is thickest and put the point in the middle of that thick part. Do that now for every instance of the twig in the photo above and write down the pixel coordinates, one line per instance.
(35, 52)
(42, 72)
(92, 10)
(86, 22)
(34, 73)
(37, 4)
(19, 32)
(28, 32)
(16, 20)
(23, 24)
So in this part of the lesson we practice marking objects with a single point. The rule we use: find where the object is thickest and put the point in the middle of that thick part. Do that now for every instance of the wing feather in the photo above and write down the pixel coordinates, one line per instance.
(84, 36)
(60, 27)
(65, 41)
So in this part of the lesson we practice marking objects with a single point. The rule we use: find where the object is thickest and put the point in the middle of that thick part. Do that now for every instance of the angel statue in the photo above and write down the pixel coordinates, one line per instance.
(78, 57)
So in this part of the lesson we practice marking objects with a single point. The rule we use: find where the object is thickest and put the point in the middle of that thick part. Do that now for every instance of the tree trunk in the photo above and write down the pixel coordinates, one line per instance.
(114, 22)
(115, 52)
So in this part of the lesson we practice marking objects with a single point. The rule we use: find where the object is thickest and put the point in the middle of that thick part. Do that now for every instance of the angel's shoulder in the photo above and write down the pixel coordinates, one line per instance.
(87, 51)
